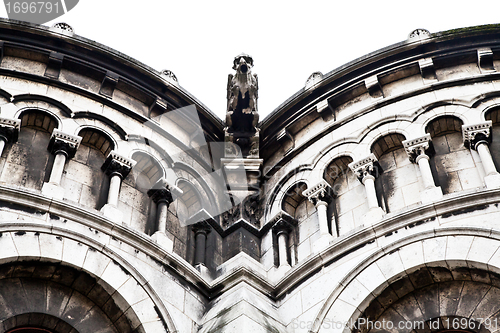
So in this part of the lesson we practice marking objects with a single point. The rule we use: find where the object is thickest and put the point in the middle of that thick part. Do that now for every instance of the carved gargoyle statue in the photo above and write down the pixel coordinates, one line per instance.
(242, 116)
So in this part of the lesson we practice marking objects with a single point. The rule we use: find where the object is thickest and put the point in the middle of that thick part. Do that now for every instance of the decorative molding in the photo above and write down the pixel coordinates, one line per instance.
(472, 134)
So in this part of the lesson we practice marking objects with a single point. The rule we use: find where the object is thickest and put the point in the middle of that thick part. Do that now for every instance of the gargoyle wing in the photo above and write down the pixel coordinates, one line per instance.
(229, 85)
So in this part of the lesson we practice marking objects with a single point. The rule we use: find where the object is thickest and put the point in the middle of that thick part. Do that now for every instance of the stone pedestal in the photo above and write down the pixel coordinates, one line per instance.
(322, 243)
(161, 239)
(373, 215)
(492, 181)
(431, 194)
(277, 273)
(53, 190)
(112, 212)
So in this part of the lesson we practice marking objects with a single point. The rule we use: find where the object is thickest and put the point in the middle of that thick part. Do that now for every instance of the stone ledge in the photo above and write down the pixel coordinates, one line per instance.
(249, 271)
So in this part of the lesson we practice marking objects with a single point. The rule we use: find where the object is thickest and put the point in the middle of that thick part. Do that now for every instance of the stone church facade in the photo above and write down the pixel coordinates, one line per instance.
(366, 202)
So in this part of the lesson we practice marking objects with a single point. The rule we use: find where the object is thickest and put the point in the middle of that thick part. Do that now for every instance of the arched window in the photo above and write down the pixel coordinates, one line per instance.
(28, 162)
(84, 181)
(301, 239)
(134, 200)
(397, 184)
(453, 165)
(349, 202)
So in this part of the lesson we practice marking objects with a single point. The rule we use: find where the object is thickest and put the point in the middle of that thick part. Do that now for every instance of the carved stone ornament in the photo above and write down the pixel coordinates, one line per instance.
(61, 142)
(419, 33)
(313, 79)
(473, 134)
(230, 216)
(158, 195)
(242, 116)
(319, 192)
(169, 75)
(418, 146)
(9, 129)
(365, 167)
(164, 191)
(283, 222)
(117, 164)
(63, 27)
(252, 208)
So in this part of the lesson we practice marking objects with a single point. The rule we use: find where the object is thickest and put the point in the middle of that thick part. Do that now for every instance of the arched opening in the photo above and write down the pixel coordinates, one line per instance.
(28, 162)
(84, 180)
(397, 184)
(494, 116)
(349, 201)
(134, 201)
(300, 240)
(436, 298)
(48, 297)
(185, 207)
(453, 166)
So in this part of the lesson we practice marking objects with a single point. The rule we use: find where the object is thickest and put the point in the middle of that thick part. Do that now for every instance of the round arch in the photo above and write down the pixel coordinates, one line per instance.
(50, 246)
(454, 249)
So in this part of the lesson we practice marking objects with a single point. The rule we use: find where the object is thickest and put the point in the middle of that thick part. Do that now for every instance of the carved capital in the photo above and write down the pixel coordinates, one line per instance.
(365, 167)
(164, 191)
(418, 146)
(66, 144)
(319, 192)
(117, 164)
(9, 129)
(283, 222)
(159, 195)
(473, 134)
(202, 227)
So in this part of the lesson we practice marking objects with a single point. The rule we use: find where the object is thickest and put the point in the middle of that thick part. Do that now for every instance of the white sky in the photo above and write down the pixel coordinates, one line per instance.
(288, 40)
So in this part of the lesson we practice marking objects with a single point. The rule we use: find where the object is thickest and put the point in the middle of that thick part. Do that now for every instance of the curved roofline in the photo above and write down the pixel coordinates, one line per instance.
(116, 55)
(372, 57)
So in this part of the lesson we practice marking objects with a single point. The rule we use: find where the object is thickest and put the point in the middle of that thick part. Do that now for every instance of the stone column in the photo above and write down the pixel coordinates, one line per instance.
(478, 137)
(418, 151)
(117, 168)
(163, 194)
(9, 131)
(367, 171)
(319, 195)
(201, 231)
(283, 247)
(63, 146)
